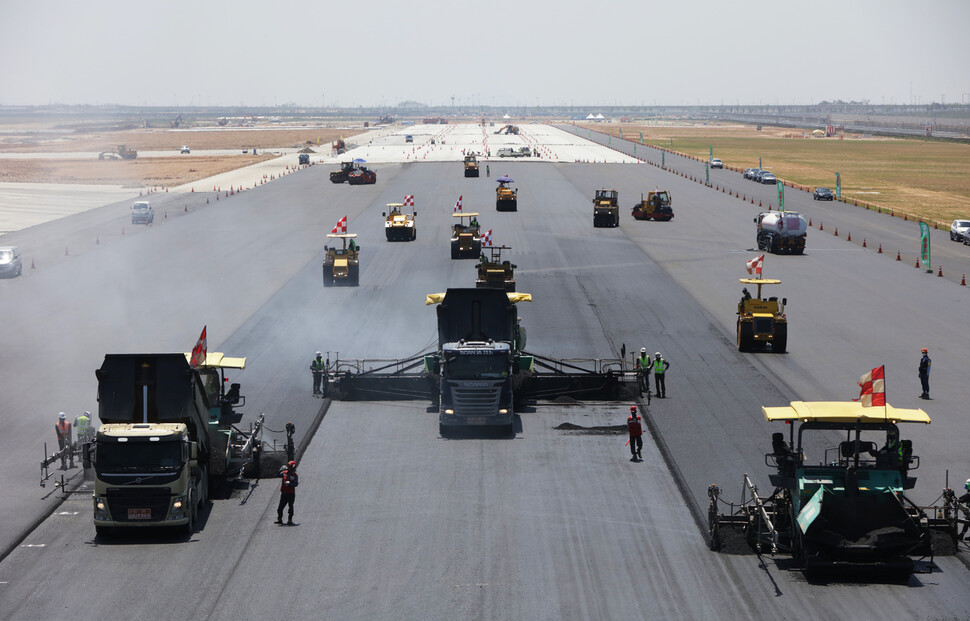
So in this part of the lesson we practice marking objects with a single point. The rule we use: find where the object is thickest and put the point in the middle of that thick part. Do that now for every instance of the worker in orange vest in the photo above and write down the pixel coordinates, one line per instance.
(636, 434)
(63, 429)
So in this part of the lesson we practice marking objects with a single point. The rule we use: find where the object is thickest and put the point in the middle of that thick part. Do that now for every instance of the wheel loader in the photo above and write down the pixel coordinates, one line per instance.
(657, 206)
(471, 166)
(466, 242)
(606, 210)
(844, 510)
(493, 272)
(761, 321)
(342, 265)
(399, 226)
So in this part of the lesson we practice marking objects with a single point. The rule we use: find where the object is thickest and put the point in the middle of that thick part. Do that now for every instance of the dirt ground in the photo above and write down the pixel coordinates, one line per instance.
(148, 171)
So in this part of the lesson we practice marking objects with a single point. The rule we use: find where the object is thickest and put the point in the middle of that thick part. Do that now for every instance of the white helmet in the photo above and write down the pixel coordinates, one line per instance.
(657, 354)
(62, 416)
(643, 350)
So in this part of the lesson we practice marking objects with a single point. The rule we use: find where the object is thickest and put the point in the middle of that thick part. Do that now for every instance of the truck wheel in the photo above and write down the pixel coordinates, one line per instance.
(779, 344)
(102, 531)
(189, 527)
(769, 245)
(454, 250)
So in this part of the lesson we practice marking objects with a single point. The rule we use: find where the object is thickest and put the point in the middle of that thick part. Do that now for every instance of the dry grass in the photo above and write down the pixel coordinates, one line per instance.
(141, 172)
(922, 177)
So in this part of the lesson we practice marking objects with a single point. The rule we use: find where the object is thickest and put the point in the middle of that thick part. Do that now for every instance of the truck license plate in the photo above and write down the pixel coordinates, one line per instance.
(139, 514)
(476, 420)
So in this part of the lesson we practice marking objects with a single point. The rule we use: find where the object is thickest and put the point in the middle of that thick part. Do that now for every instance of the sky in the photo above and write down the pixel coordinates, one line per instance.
(496, 53)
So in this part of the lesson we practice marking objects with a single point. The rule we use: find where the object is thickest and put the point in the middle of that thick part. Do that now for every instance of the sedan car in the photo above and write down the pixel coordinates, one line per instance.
(185, 149)
(767, 177)
(749, 173)
(960, 230)
(823, 194)
(10, 262)
(717, 163)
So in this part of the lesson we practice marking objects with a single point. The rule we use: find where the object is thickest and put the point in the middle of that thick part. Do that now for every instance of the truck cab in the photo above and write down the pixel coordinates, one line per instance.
(142, 213)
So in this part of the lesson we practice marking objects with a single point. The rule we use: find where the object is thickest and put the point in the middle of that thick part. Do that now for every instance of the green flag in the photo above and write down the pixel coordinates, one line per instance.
(781, 195)
(838, 185)
(710, 153)
(663, 159)
(621, 133)
(760, 166)
(609, 140)
(707, 173)
(634, 148)
(671, 145)
(924, 253)
(641, 137)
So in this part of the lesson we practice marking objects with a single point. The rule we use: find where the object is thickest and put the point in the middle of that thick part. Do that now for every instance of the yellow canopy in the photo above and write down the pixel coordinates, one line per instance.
(843, 412)
(515, 298)
(467, 214)
(342, 235)
(218, 359)
(395, 204)
(759, 281)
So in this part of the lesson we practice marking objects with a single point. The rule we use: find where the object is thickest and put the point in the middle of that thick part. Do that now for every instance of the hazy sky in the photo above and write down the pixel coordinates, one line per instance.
(377, 52)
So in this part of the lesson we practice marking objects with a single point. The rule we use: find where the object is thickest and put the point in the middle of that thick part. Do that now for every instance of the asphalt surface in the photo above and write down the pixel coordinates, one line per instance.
(393, 520)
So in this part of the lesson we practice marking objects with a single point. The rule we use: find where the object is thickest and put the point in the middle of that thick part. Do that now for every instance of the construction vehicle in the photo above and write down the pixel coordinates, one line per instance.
(303, 159)
(343, 174)
(479, 375)
(167, 431)
(657, 206)
(493, 272)
(506, 198)
(508, 129)
(466, 241)
(510, 152)
(339, 147)
(409, 138)
(847, 512)
(606, 209)
(761, 321)
(471, 165)
(362, 176)
(342, 265)
(122, 152)
(399, 226)
(781, 231)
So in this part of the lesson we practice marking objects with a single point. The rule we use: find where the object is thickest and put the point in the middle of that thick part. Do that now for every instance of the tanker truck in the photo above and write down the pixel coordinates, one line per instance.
(781, 232)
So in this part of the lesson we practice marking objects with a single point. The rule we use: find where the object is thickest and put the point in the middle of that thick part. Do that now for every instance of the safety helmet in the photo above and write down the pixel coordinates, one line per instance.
(633, 409)
(292, 464)
(319, 354)
(643, 350)
(62, 416)
(924, 350)
(657, 354)
(966, 485)
(86, 413)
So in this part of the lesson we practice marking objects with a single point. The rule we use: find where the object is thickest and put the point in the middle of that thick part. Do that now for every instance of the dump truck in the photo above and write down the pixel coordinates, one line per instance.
(342, 265)
(399, 226)
(466, 242)
(471, 166)
(167, 430)
(362, 176)
(781, 232)
(479, 375)
(506, 198)
(657, 206)
(849, 509)
(493, 272)
(339, 147)
(761, 321)
(606, 210)
(343, 174)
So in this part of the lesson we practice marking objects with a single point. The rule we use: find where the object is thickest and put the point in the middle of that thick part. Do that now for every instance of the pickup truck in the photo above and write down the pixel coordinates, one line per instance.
(520, 152)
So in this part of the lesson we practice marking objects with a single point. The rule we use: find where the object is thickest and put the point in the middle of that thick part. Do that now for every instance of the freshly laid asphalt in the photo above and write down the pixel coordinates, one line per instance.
(395, 521)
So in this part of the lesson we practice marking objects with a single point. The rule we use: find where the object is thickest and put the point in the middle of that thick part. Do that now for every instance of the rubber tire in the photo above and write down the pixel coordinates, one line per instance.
(454, 250)
(353, 275)
(102, 531)
(327, 277)
(769, 245)
(189, 527)
(745, 336)
(779, 343)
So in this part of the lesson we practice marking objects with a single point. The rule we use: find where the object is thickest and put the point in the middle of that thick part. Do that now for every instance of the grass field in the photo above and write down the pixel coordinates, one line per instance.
(927, 178)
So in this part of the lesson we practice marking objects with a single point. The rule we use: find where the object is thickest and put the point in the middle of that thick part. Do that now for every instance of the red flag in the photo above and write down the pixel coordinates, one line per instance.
(487, 238)
(873, 386)
(341, 226)
(458, 205)
(198, 352)
(409, 200)
(754, 265)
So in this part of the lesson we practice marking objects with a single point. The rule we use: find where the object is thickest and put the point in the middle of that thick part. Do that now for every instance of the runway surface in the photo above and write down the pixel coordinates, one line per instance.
(396, 522)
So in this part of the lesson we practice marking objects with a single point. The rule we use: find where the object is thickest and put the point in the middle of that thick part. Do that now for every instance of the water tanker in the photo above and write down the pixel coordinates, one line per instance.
(781, 231)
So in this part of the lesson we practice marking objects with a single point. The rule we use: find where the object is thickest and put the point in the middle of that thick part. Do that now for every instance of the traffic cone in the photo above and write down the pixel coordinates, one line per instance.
(917, 262)
(940, 273)
(809, 222)
(192, 190)
(186, 210)
(963, 281)
(897, 256)
(863, 242)
(821, 226)
(66, 253)
(848, 237)
(206, 200)
(32, 266)
(836, 231)
(880, 249)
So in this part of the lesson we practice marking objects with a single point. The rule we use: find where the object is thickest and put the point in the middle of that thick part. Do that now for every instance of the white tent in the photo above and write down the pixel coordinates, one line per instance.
(600, 117)
(590, 117)
(506, 117)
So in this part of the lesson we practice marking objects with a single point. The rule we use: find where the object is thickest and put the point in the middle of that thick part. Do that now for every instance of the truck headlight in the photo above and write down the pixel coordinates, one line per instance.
(503, 411)
(177, 503)
(449, 412)
(100, 506)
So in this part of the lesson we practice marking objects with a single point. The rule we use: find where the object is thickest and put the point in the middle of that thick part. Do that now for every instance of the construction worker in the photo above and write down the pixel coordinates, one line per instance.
(642, 367)
(890, 455)
(488, 171)
(287, 492)
(82, 424)
(924, 374)
(317, 368)
(965, 508)
(745, 296)
(660, 367)
(63, 429)
(636, 434)
(473, 223)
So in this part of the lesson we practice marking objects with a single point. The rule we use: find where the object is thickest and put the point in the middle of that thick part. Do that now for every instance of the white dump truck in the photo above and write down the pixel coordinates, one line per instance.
(781, 232)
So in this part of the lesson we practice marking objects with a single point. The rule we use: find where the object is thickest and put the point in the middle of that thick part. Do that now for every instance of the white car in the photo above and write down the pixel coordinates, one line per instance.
(960, 230)
(185, 149)
(717, 163)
